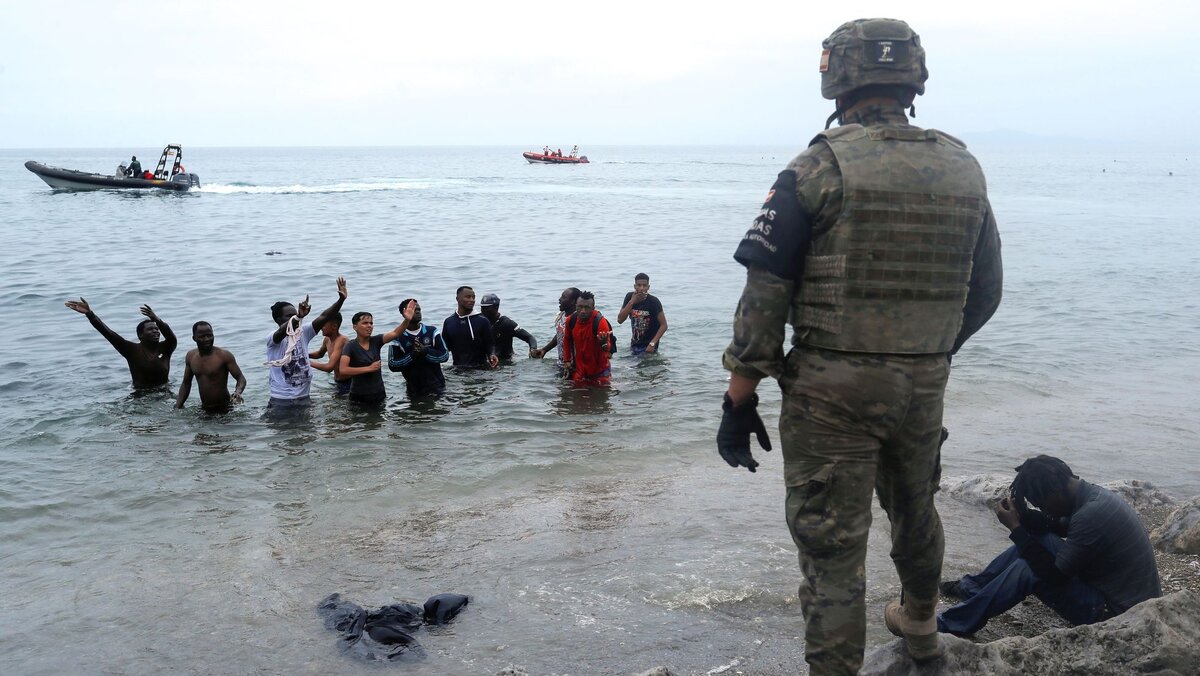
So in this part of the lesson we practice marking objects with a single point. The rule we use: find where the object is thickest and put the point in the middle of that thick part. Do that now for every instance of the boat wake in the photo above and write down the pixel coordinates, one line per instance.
(249, 188)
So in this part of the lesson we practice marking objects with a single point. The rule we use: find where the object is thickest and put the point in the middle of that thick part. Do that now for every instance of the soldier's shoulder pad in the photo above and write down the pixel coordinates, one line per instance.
(844, 132)
(952, 140)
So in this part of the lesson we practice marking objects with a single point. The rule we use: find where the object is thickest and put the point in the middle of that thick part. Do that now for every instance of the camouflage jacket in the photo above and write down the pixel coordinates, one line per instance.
(756, 350)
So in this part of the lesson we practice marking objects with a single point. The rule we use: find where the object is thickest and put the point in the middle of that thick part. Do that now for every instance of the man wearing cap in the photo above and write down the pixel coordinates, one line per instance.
(878, 244)
(504, 328)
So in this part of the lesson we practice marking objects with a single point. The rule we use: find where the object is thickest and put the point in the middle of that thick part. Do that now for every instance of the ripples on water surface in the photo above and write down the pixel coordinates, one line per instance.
(598, 532)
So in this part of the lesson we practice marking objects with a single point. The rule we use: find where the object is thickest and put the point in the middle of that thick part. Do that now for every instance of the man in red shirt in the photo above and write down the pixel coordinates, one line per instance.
(587, 344)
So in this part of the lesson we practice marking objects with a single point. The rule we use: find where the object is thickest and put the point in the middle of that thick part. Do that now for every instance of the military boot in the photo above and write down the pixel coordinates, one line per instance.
(914, 620)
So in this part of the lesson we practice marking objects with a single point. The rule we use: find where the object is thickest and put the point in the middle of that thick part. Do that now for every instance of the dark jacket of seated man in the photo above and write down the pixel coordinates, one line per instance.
(1104, 566)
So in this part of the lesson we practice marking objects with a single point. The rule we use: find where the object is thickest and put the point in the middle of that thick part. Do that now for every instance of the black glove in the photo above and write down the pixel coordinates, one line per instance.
(733, 437)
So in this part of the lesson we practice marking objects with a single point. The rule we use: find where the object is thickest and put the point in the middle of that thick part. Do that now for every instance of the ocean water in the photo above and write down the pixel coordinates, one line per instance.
(597, 532)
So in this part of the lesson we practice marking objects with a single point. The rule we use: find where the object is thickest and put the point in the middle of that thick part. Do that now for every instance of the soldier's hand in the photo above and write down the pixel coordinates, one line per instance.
(733, 437)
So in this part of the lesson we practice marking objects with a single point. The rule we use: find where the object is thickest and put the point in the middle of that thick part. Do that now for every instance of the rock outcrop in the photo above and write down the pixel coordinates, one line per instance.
(985, 489)
(988, 489)
(1160, 636)
(1142, 496)
(1180, 533)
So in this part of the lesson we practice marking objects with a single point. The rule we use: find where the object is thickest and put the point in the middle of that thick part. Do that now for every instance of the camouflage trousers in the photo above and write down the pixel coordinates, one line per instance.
(853, 423)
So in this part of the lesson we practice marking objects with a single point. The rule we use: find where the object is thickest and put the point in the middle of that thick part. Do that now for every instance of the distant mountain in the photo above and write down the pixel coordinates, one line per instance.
(1009, 139)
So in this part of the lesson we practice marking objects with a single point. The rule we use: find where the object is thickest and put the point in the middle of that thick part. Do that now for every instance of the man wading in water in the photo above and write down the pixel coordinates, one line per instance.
(149, 359)
(211, 366)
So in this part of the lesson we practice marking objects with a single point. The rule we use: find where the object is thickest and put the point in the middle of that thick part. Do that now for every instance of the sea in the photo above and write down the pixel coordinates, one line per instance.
(596, 531)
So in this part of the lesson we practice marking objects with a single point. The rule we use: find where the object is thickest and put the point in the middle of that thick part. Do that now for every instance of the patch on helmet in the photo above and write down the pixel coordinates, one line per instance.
(886, 52)
(824, 60)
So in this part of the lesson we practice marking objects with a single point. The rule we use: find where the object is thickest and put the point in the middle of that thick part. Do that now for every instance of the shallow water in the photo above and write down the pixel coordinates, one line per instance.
(597, 532)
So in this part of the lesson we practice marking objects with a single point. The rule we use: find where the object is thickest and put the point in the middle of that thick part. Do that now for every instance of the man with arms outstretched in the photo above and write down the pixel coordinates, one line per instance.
(287, 349)
(149, 359)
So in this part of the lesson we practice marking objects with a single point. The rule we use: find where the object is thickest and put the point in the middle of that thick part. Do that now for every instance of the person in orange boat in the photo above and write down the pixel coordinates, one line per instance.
(588, 344)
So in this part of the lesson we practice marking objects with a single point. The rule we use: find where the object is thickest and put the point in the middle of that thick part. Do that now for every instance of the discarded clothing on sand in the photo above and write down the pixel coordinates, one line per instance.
(386, 633)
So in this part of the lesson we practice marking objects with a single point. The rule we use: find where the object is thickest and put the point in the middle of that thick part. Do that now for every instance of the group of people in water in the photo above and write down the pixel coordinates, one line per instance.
(584, 339)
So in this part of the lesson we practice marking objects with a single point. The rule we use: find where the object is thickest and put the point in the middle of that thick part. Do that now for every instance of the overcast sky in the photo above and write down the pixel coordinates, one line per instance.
(258, 73)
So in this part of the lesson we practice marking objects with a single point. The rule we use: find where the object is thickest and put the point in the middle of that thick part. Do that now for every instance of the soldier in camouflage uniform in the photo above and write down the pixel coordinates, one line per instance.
(878, 245)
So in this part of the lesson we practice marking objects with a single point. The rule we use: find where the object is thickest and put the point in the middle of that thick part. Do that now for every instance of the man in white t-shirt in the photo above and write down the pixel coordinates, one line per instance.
(287, 349)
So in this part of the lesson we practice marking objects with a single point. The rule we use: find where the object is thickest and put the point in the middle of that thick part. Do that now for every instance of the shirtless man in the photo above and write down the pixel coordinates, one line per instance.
(212, 367)
(332, 344)
(149, 359)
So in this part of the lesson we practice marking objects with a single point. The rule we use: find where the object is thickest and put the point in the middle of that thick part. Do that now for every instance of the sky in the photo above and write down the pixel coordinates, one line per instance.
(265, 73)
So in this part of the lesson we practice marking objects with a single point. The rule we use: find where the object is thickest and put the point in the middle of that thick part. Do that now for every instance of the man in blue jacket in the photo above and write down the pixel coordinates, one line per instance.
(470, 337)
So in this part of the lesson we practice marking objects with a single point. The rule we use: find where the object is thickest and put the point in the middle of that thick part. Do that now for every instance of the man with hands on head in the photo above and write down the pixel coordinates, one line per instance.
(1084, 553)
(211, 366)
(287, 349)
(149, 359)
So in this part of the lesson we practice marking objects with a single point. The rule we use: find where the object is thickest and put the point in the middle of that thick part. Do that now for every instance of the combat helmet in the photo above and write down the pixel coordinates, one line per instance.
(872, 52)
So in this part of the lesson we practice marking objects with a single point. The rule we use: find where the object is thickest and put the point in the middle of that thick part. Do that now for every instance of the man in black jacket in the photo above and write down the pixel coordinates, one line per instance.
(1103, 567)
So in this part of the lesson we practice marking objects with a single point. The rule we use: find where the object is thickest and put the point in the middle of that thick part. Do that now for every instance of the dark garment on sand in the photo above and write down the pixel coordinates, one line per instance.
(387, 633)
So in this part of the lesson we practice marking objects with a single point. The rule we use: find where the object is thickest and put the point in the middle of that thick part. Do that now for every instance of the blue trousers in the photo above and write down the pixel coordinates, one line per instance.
(1006, 581)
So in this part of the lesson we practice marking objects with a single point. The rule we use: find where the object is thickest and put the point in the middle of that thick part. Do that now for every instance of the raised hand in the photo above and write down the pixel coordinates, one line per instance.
(341, 286)
(304, 308)
(149, 313)
(81, 306)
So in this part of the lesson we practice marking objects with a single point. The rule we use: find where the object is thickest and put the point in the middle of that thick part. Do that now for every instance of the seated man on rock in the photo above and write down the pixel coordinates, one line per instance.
(1103, 567)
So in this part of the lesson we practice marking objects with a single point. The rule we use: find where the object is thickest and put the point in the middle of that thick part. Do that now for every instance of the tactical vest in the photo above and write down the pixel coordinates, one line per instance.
(891, 275)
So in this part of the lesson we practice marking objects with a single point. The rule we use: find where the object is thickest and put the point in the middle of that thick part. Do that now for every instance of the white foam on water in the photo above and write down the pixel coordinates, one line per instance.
(231, 189)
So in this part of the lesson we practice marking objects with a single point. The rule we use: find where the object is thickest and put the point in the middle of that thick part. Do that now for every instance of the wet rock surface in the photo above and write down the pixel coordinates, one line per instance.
(1180, 532)
(1160, 636)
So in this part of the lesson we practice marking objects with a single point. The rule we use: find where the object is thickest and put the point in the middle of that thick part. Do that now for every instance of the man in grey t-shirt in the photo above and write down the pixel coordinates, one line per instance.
(1102, 568)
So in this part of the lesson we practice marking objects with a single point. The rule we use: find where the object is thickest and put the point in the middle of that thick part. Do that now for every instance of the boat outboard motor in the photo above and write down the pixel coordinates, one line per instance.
(192, 180)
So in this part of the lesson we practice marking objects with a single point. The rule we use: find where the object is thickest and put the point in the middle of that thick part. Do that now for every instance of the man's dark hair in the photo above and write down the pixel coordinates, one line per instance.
(573, 293)
(199, 324)
(359, 315)
(334, 319)
(1039, 477)
(460, 290)
(586, 295)
(640, 276)
(142, 325)
(404, 303)
(277, 310)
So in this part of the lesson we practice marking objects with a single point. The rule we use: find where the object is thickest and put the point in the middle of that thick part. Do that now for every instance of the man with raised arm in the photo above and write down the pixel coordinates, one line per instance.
(418, 354)
(211, 366)
(287, 349)
(149, 359)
